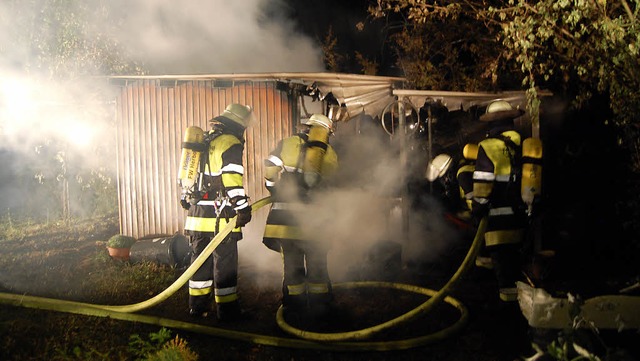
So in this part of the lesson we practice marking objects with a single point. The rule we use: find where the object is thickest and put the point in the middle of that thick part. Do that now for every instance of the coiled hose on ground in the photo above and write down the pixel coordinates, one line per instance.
(343, 341)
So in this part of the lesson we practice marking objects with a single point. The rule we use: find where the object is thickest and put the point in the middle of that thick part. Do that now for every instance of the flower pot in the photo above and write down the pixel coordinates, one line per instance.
(119, 253)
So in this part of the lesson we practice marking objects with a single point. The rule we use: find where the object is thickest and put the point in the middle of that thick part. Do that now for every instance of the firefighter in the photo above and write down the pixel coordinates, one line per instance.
(294, 171)
(221, 198)
(496, 195)
(464, 175)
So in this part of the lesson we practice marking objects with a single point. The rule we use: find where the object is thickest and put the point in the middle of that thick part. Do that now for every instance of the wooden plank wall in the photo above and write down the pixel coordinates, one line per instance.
(152, 117)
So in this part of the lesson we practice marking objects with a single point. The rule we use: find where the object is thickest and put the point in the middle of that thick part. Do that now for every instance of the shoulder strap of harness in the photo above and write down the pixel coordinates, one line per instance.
(204, 159)
(515, 156)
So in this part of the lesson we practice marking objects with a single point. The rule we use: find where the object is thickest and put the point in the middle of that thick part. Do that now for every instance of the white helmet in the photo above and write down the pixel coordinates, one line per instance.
(321, 120)
(438, 167)
(500, 110)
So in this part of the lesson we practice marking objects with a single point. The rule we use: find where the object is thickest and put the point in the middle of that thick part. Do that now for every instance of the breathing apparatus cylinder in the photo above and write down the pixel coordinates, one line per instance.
(531, 170)
(192, 148)
(470, 151)
(316, 148)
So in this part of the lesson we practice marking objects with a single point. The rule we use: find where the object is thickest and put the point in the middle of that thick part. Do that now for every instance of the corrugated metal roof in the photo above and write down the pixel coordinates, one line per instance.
(358, 93)
(466, 100)
(463, 100)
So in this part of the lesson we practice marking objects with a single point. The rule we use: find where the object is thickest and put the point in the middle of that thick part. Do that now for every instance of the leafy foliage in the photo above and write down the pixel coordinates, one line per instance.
(176, 349)
(444, 45)
(63, 186)
(572, 46)
(161, 347)
(121, 241)
(332, 58)
(62, 45)
(592, 44)
(142, 347)
(57, 42)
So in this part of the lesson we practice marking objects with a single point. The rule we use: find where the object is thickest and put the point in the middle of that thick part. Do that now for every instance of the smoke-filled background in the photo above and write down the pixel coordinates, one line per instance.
(370, 229)
(57, 112)
(56, 119)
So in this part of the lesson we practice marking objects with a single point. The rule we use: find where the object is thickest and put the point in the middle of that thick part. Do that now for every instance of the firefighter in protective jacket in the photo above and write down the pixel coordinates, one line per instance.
(496, 195)
(297, 167)
(221, 197)
(464, 174)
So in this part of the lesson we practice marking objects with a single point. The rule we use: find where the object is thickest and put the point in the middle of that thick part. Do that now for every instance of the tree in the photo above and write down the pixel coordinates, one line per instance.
(578, 47)
(51, 48)
(583, 47)
(582, 50)
(55, 39)
(444, 45)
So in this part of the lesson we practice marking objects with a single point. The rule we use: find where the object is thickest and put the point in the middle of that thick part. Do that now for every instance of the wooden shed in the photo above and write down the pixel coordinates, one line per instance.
(154, 111)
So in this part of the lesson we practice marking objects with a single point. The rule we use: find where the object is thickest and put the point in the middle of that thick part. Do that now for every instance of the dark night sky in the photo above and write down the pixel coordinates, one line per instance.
(316, 17)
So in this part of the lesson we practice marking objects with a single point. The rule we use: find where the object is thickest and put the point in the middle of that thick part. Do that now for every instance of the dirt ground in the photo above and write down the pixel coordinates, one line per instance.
(59, 261)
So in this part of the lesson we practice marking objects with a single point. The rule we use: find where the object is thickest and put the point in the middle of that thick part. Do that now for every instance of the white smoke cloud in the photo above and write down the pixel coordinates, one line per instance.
(218, 36)
(372, 227)
(203, 37)
(168, 37)
(44, 103)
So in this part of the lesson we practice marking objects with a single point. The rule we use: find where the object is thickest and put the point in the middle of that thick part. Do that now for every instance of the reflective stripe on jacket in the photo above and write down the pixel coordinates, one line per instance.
(224, 177)
(283, 178)
(494, 185)
(465, 182)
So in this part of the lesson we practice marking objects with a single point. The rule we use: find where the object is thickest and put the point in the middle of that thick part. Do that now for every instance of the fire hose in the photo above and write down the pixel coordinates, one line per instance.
(343, 341)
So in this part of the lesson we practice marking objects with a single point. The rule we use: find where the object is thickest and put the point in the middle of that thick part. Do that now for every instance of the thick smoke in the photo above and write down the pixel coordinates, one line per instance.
(216, 36)
(57, 112)
(373, 227)
(49, 128)
(56, 109)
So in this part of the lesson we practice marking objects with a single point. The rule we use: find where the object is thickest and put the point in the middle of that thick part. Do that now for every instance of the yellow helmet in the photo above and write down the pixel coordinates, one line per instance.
(237, 113)
(321, 120)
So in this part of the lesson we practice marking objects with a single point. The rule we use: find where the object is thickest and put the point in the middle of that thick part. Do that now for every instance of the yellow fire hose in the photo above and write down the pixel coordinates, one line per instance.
(435, 299)
(308, 340)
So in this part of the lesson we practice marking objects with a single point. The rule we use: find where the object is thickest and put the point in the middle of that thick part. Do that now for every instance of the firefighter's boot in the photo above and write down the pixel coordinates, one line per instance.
(297, 302)
(229, 311)
(321, 309)
(200, 306)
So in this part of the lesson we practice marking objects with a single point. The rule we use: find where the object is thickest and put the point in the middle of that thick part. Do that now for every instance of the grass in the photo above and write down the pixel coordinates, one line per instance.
(69, 261)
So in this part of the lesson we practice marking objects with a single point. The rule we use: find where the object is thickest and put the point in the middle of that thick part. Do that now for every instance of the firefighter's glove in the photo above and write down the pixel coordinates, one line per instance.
(184, 203)
(244, 216)
(534, 208)
(479, 210)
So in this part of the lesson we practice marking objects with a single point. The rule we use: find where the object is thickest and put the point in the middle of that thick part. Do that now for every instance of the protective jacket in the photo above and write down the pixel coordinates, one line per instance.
(464, 174)
(496, 188)
(496, 195)
(222, 177)
(223, 182)
(305, 260)
(283, 179)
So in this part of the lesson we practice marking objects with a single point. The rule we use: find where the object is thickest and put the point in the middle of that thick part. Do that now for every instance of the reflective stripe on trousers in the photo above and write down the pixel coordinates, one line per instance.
(225, 295)
(509, 294)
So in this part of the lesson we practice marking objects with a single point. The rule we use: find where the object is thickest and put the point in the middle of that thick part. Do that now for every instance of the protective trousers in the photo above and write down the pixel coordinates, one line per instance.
(506, 259)
(306, 278)
(217, 278)
(503, 239)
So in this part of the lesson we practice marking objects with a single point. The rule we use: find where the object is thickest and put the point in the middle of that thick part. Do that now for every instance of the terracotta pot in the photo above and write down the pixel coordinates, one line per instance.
(119, 253)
